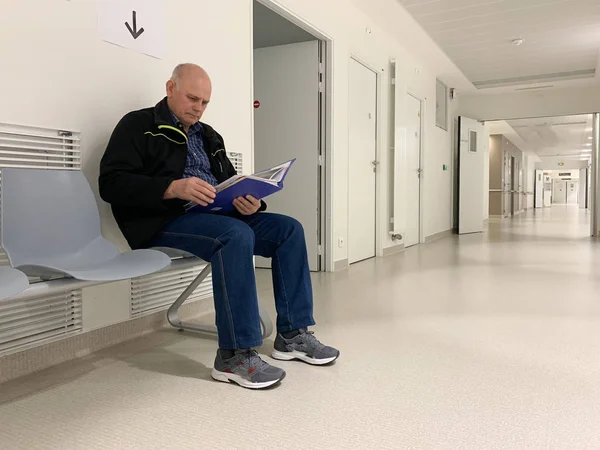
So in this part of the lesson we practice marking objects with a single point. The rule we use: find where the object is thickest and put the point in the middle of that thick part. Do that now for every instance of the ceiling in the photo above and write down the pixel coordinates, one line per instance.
(561, 38)
(567, 137)
(270, 29)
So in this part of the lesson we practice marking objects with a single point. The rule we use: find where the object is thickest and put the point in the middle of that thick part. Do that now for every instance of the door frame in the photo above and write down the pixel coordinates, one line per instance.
(378, 156)
(422, 100)
(326, 200)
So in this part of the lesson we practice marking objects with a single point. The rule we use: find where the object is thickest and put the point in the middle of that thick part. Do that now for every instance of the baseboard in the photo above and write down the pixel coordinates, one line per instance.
(33, 360)
(438, 236)
(393, 250)
(340, 265)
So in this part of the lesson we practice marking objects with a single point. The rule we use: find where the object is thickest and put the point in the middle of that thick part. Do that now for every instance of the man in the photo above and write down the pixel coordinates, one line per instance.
(157, 160)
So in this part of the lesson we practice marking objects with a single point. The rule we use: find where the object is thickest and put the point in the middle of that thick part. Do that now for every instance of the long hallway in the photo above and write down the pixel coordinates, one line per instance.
(481, 341)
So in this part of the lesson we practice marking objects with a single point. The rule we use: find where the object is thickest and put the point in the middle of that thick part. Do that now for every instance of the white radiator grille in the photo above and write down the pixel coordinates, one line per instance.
(237, 161)
(24, 323)
(157, 292)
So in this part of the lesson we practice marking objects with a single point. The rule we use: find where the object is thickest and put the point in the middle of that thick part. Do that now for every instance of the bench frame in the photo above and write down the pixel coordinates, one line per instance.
(48, 287)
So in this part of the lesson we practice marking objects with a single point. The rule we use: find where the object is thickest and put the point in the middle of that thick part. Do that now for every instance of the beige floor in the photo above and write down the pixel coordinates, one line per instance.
(479, 342)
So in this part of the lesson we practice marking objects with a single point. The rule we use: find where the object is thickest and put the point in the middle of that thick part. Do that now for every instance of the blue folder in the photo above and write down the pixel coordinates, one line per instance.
(242, 185)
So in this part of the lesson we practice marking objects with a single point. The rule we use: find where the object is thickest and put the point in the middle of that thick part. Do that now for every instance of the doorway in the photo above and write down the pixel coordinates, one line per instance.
(290, 89)
(546, 165)
(362, 191)
(413, 162)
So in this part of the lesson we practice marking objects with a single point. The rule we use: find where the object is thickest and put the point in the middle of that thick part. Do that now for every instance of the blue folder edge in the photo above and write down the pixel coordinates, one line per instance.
(258, 189)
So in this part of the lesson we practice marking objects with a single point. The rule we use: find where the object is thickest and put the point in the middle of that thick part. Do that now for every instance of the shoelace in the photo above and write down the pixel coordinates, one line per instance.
(254, 360)
(310, 337)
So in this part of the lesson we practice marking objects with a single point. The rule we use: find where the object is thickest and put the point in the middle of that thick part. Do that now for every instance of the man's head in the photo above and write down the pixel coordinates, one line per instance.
(188, 93)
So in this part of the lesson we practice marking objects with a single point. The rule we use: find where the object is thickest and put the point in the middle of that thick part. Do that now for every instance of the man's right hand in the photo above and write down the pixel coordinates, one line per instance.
(191, 189)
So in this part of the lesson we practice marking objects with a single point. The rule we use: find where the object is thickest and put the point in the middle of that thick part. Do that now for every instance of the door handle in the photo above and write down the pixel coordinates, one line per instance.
(375, 163)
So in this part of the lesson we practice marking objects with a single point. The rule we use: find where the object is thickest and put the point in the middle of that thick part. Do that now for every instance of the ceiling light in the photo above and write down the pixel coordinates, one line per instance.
(588, 145)
(518, 42)
(590, 138)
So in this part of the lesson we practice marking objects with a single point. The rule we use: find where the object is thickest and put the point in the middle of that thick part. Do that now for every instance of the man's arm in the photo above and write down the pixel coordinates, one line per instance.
(121, 180)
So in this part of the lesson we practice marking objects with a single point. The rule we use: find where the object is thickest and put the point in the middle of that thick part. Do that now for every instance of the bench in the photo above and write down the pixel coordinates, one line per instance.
(12, 282)
(60, 242)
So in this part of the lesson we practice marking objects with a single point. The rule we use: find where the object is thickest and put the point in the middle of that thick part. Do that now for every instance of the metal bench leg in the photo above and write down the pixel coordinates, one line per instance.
(175, 320)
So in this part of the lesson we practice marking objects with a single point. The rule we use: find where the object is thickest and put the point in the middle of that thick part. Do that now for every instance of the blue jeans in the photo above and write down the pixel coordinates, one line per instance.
(229, 245)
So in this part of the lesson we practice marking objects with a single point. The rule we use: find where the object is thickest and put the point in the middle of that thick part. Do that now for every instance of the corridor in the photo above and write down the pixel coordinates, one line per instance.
(483, 341)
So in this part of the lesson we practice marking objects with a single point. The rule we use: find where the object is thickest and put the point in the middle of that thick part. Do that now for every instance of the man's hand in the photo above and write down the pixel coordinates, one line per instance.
(246, 206)
(191, 189)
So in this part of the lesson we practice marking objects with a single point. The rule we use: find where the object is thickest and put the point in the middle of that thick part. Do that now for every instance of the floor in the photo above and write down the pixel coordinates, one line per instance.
(485, 341)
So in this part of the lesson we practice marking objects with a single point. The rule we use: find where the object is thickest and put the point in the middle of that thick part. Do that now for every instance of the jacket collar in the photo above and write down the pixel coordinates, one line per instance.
(162, 118)
(162, 115)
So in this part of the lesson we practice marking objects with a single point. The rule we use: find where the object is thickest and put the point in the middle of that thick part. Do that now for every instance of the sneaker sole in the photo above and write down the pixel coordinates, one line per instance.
(240, 381)
(289, 356)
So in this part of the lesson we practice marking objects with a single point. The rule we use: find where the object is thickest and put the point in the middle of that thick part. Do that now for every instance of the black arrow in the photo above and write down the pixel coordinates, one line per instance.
(134, 32)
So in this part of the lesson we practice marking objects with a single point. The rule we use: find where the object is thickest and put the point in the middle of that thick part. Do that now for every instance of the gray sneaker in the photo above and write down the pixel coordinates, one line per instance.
(247, 370)
(305, 347)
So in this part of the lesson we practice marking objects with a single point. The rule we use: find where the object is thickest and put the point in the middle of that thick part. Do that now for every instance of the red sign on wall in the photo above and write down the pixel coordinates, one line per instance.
(256, 104)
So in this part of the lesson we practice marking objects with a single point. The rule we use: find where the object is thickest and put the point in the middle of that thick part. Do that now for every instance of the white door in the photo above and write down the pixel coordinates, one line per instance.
(572, 192)
(472, 145)
(413, 165)
(582, 188)
(362, 162)
(539, 189)
(286, 126)
(559, 195)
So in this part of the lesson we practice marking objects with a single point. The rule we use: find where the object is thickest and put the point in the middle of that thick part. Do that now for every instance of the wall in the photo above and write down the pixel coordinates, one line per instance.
(556, 174)
(57, 73)
(557, 163)
(496, 179)
(504, 106)
(376, 49)
(529, 174)
(62, 75)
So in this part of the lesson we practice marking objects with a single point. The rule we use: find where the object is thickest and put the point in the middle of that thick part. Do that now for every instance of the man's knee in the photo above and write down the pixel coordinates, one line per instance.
(238, 234)
(293, 228)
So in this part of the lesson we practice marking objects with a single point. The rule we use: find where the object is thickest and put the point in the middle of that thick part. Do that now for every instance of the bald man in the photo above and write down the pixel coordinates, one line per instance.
(157, 160)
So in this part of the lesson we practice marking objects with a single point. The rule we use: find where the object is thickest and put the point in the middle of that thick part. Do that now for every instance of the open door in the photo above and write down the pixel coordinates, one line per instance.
(473, 140)
(539, 189)
(287, 126)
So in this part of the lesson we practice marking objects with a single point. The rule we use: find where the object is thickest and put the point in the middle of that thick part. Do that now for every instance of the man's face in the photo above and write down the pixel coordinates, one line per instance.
(189, 98)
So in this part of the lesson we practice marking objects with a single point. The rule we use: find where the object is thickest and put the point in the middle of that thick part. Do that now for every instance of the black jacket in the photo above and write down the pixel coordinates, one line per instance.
(146, 152)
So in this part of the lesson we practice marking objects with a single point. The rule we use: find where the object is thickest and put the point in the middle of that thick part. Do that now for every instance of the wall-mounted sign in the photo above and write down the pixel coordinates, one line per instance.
(135, 24)
(564, 174)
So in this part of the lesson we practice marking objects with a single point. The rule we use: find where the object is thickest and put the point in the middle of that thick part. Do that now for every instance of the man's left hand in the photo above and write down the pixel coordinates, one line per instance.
(247, 206)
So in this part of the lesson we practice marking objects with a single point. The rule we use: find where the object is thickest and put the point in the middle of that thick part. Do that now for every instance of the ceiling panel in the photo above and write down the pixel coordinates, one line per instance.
(561, 36)
(565, 136)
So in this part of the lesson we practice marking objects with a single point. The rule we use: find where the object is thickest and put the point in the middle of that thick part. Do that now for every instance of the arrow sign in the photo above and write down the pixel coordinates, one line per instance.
(134, 32)
(120, 23)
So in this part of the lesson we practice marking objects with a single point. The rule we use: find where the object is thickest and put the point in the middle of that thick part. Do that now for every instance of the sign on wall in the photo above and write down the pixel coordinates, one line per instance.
(135, 24)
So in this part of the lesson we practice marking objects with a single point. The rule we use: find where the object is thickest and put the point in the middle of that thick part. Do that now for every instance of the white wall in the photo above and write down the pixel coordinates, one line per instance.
(504, 106)
(555, 174)
(562, 164)
(529, 174)
(58, 73)
(377, 49)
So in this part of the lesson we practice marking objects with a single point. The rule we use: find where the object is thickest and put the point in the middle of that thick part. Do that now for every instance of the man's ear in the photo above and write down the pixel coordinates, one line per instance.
(170, 88)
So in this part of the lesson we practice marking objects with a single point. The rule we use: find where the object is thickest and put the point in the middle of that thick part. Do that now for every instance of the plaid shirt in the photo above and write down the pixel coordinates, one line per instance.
(197, 163)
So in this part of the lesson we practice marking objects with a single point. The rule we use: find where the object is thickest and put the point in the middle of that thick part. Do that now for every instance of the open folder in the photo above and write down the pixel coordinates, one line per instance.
(259, 185)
